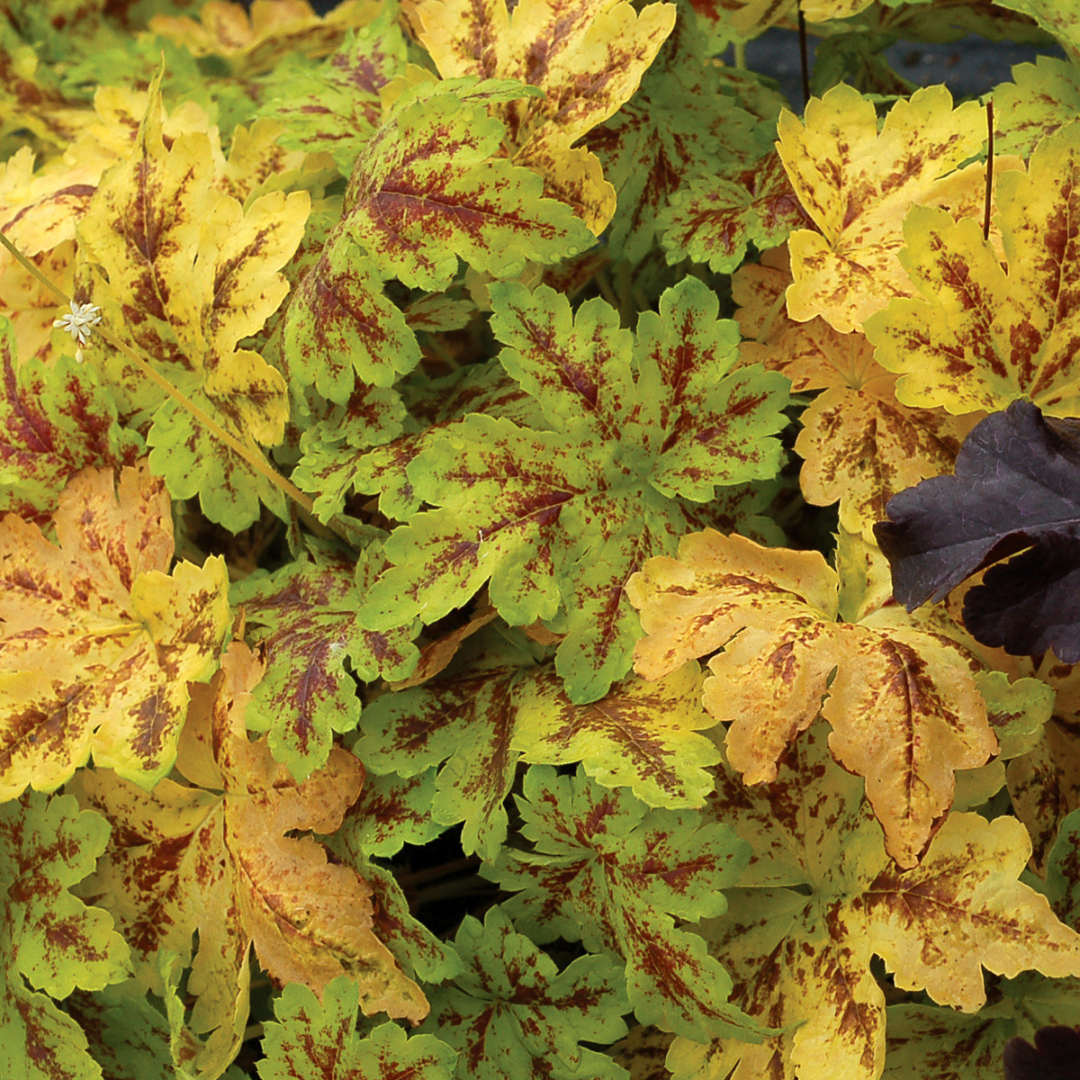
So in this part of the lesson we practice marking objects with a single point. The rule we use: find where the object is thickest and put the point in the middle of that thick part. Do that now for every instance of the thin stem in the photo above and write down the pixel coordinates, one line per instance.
(256, 461)
(740, 55)
(804, 57)
(989, 167)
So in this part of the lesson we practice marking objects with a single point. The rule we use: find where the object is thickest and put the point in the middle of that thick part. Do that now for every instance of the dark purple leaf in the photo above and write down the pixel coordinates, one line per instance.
(1017, 483)
(1055, 1055)
(1031, 603)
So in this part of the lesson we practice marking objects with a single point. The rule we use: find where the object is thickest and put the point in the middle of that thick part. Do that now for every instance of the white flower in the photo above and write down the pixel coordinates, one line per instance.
(82, 319)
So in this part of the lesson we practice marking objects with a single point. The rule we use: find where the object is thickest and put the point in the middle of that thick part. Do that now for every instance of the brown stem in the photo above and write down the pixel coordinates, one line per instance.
(804, 57)
(989, 167)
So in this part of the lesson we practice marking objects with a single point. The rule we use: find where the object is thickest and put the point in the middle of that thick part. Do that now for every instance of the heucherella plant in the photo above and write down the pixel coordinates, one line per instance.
(501, 551)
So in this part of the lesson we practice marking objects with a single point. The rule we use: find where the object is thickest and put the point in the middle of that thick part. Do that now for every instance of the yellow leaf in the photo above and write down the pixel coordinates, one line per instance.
(901, 696)
(859, 444)
(693, 604)
(858, 184)
(98, 642)
(979, 336)
(225, 862)
(588, 59)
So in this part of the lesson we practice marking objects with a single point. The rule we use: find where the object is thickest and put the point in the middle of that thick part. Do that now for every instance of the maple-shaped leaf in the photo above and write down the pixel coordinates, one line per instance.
(641, 735)
(98, 642)
(303, 618)
(857, 184)
(336, 107)
(586, 61)
(1014, 490)
(129, 1038)
(429, 188)
(884, 683)
(714, 217)
(827, 897)
(859, 444)
(680, 124)
(341, 326)
(313, 1037)
(217, 855)
(50, 939)
(253, 41)
(1041, 98)
(512, 1012)
(941, 1042)
(981, 336)
(56, 421)
(563, 517)
(610, 872)
(1059, 17)
(183, 273)
(464, 718)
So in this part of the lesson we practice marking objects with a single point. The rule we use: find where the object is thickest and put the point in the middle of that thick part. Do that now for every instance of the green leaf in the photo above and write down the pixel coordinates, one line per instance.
(428, 189)
(304, 619)
(641, 735)
(608, 871)
(312, 1038)
(564, 517)
(513, 1013)
(336, 107)
(1041, 98)
(50, 939)
(55, 420)
(340, 326)
(465, 718)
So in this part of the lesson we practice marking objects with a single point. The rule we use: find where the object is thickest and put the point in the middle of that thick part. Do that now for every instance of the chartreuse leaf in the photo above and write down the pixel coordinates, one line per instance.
(945, 1043)
(1041, 98)
(857, 184)
(130, 1039)
(801, 956)
(641, 735)
(1060, 17)
(493, 708)
(182, 273)
(585, 61)
(319, 1038)
(53, 422)
(119, 638)
(901, 696)
(513, 1013)
(717, 215)
(680, 124)
(428, 189)
(738, 20)
(608, 871)
(464, 718)
(563, 517)
(979, 336)
(50, 939)
(340, 325)
(218, 856)
(336, 107)
(859, 445)
(304, 620)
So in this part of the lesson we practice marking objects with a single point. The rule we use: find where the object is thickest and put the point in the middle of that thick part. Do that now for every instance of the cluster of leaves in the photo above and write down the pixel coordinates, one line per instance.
(521, 688)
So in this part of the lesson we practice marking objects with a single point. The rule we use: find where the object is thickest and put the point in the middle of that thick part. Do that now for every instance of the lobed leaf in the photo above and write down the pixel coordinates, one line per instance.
(982, 336)
(948, 528)
(118, 638)
(428, 189)
(857, 184)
